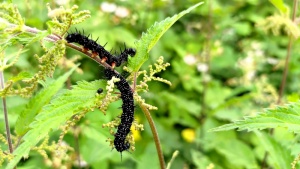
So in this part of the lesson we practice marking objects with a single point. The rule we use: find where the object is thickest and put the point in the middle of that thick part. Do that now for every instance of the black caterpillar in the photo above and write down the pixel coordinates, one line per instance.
(127, 116)
(100, 90)
(97, 49)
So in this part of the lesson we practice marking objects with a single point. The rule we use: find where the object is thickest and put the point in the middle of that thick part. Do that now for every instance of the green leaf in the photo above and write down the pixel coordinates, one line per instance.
(283, 116)
(242, 28)
(36, 103)
(182, 110)
(201, 160)
(149, 39)
(90, 138)
(280, 156)
(280, 6)
(241, 153)
(81, 98)
(21, 76)
(146, 159)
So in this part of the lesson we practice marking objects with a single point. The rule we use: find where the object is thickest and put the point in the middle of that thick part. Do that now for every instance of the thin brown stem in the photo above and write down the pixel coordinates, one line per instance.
(288, 55)
(155, 136)
(89, 54)
(285, 72)
(54, 38)
(77, 149)
(264, 162)
(7, 128)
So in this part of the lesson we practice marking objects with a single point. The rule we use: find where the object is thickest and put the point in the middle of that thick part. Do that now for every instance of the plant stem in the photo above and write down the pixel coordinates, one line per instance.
(6, 115)
(205, 74)
(77, 149)
(155, 136)
(288, 55)
(54, 38)
(134, 80)
(175, 154)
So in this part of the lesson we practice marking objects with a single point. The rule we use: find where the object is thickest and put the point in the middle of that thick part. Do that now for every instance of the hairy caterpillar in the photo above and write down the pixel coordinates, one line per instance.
(97, 49)
(127, 116)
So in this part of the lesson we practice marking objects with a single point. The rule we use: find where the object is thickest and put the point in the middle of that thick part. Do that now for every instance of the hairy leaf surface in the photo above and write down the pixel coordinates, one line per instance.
(283, 116)
(81, 98)
(36, 103)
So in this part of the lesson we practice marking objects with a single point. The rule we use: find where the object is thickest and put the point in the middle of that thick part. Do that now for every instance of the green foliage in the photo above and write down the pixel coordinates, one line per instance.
(277, 23)
(47, 66)
(282, 116)
(222, 65)
(234, 149)
(279, 4)
(280, 156)
(10, 13)
(15, 32)
(78, 100)
(63, 18)
(36, 103)
(151, 37)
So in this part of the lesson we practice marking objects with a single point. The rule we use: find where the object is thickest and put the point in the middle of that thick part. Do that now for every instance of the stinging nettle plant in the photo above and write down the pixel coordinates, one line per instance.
(282, 116)
(47, 110)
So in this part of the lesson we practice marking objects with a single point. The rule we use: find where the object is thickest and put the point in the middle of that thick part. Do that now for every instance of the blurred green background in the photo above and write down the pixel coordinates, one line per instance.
(223, 67)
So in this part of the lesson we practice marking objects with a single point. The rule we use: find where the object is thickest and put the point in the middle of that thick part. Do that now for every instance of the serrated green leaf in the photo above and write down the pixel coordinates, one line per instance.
(149, 39)
(23, 38)
(80, 98)
(280, 157)
(283, 116)
(36, 103)
(31, 39)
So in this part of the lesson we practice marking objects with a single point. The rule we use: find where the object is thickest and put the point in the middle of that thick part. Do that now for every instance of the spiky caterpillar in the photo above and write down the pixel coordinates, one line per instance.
(127, 116)
(97, 49)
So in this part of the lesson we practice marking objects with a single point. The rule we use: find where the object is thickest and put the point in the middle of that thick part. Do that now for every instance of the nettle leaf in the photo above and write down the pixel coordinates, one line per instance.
(150, 38)
(283, 116)
(239, 151)
(280, 156)
(36, 103)
(81, 98)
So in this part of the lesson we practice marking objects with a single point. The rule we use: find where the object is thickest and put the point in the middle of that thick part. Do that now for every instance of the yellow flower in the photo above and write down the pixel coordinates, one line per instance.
(136, 134)
(136, 129)
(188, 135)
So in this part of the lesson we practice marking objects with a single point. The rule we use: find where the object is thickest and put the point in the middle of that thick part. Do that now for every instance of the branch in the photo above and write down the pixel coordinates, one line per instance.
(7, 128)
(155, 136)
(288, 55)
(54, 38)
